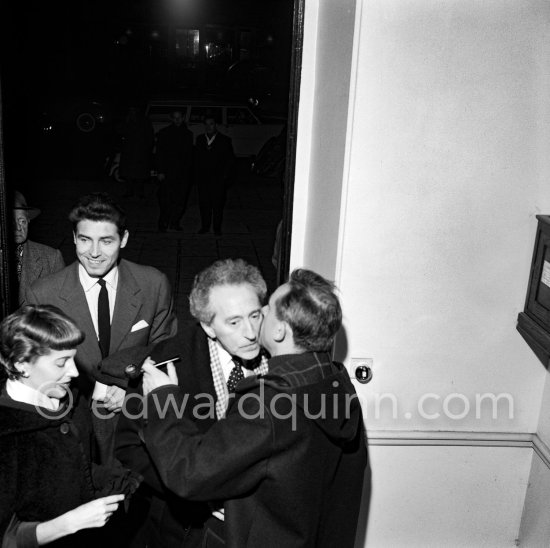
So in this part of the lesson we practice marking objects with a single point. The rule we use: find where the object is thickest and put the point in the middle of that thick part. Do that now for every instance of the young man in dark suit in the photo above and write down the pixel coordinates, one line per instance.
(118, 304)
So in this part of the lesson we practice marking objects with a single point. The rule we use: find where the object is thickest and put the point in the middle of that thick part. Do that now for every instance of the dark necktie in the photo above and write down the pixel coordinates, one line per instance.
(236, 375)
(103, 319)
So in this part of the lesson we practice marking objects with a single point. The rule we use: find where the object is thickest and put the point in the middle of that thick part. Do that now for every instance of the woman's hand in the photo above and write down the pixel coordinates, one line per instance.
(93, 514)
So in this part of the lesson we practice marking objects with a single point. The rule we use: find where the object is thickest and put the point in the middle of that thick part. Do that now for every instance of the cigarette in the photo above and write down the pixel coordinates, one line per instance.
(167, 361)
(133, 371)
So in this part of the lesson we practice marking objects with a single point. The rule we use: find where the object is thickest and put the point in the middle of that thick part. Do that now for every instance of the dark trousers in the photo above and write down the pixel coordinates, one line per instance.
(211, 204)
(104, 429)
(173, 194)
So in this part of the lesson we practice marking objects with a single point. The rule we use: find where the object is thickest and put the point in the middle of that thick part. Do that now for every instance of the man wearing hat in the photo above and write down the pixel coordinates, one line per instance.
(33, 260)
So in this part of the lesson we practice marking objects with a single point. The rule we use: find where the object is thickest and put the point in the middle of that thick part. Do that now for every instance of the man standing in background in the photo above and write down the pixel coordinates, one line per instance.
(136, 152)
(33, 260)
(214, 163)
(174, 156)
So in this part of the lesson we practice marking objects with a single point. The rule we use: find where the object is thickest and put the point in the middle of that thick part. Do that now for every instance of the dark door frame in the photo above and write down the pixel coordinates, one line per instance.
(292, 129)
(5, 244)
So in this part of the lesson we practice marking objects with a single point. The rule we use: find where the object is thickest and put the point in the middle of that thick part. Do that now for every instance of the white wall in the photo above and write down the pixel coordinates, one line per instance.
(535, 526)
(448, 167)
(445, 167)
(483, 511)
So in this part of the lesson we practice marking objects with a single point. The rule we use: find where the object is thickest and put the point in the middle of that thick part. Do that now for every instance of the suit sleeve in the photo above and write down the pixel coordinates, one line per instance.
(130, 448)
(227, 461)
(165, 323)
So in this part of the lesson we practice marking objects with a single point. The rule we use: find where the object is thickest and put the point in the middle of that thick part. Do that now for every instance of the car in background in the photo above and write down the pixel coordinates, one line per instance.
(270, 161)
(75, 115)
(72, 134)
(236, 120)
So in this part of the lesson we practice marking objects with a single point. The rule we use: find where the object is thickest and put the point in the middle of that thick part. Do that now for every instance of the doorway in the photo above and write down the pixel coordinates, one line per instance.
(80, 163)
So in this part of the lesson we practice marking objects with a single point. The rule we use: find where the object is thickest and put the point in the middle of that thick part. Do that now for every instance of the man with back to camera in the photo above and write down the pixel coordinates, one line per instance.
(292, 446)
(174, 159)
(226, 301)
(117, 303)
(33, 260)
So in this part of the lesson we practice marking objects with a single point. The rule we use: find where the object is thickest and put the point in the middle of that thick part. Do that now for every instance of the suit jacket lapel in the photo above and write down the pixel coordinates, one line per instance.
(73, 294)
(26, 267)
(202, 356)
(127, 306)
(31, 267)
(32, 261)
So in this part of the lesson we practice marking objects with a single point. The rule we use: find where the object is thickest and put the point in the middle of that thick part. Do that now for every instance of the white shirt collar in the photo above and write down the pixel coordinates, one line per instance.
(87, 282)
(20, 392)
(210, 140)
(224, 355)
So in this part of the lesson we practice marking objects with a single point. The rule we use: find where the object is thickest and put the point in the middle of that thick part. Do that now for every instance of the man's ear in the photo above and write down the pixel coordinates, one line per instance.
(280, 331)
(124, 240)
(208, 330)
(74, 237)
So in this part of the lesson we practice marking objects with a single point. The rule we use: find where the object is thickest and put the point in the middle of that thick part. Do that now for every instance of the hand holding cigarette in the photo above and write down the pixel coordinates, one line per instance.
(154, 378)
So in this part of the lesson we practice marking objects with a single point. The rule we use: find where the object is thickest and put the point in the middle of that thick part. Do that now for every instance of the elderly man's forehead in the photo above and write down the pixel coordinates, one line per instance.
(20, 213)
(224, 298)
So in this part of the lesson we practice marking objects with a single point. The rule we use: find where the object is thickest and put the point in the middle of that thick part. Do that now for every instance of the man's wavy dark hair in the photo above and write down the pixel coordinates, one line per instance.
(98, 206)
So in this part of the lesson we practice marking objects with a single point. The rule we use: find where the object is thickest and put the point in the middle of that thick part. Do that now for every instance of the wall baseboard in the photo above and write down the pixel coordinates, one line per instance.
(527, 440)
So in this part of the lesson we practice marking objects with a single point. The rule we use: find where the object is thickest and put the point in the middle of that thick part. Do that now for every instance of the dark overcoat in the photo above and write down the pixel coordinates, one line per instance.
(288, 459)
(45, 471)
(214, 163)
(174, 152)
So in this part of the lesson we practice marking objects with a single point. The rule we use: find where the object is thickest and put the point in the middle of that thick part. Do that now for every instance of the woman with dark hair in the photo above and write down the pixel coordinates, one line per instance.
(50, 491)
